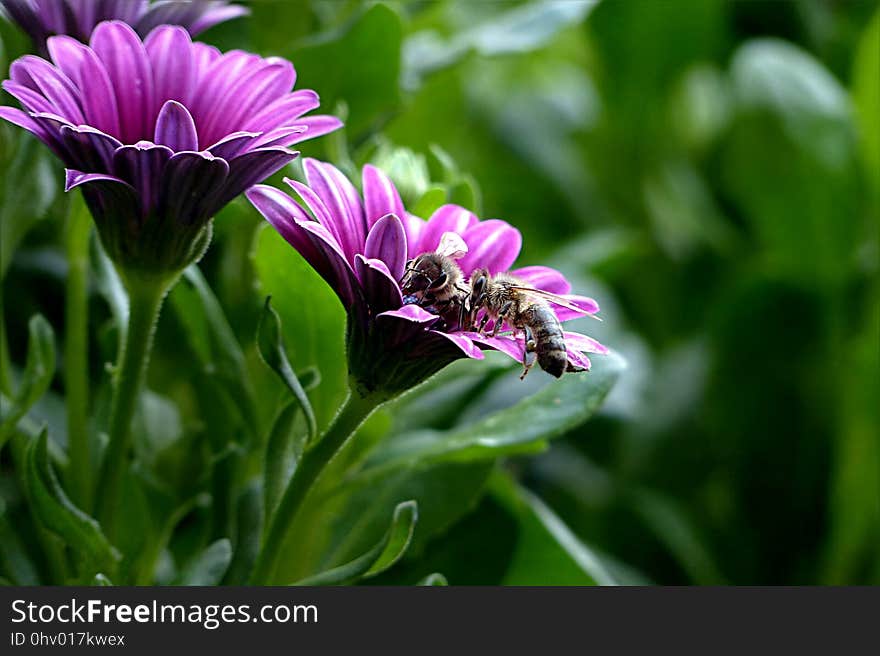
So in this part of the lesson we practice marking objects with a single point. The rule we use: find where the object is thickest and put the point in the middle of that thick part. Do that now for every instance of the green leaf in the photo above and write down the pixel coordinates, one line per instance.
(440, 402)
(560, 406)
(525, 28)
(215, 343)
(866, 94)
(309, 378)
(278, 459)
(378, 559)
(348, 515)
(429, 201)
(794, 113)
(29, 189)
(38, 372)
(359, 64)
(312, 318)
(208, 567)
(51, 505)
(775, 76)
(674, 528)
(15, 559)
(434, 579)
(249, 531)
(271, 347)
(546, 551)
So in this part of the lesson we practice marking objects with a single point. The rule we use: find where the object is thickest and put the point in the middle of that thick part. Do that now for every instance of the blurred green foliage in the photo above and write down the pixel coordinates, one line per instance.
(708, 170)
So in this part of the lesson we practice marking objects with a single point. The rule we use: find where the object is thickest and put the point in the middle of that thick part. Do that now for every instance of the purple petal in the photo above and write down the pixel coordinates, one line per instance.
(74, 178)
(175, 128)
(317, 126)
(492, 244)
(381, 288)
(196, 17)
(253, 167)
(411, 313)
(316, 206)
(233, 145)
(142, 167)
(190, 185)
(310, 238)
(217, 15)
(90, 146)
(584, 344)
(342, 201)
(128, 67)
(545, 278)
(387, 242)
(39, 75)
(283, 213)
(255, 89)
(114, 203)
(68, 54)
(32, 101)
(101, 107)
(404, 324)
(25, 15)
(280, 136)
(284, 112)
(380, 196)
(170, 50)
(578, 361)
(587, 305)
(463, 342)
(448, 218)
(212, 95)
(52, 125)
(204, 57)
(22, 120)
(514, 347)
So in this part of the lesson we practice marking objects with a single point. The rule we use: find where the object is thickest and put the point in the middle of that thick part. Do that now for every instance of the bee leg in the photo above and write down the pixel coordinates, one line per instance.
(499, 320)
(483, 323)
(477, 296)
(529, 355)
(463, 316)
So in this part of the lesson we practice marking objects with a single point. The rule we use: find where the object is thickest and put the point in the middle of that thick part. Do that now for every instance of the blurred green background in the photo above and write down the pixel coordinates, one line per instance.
(709, 171)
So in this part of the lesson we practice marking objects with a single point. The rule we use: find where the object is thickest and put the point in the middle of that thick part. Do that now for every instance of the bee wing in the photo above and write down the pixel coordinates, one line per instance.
(553, 298)
(452, 245)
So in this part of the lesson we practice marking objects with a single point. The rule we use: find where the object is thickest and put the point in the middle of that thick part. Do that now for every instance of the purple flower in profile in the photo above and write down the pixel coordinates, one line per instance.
(160, 134)
(77, 18)
(361, 245)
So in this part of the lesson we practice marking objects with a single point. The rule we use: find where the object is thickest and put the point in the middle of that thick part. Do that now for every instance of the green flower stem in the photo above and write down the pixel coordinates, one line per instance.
(53, 549)
(5, 366)
(145, 296)
(308, 470)
(76, 373)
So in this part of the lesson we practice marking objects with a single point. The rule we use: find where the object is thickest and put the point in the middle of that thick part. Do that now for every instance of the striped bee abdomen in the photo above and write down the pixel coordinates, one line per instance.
(549, 342)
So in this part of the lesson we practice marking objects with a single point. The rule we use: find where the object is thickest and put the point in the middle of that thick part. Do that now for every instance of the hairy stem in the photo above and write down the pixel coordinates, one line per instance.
(145, 302)
(309, 469)
(76, 375)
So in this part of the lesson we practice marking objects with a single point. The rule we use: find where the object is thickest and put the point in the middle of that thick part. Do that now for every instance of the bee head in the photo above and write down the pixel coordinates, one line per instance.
(479, 282)
(421, 272)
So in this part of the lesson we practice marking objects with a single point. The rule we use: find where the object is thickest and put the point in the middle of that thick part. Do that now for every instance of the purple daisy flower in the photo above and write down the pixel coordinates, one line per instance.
(77, 18)
(160, 134)
(361, 247)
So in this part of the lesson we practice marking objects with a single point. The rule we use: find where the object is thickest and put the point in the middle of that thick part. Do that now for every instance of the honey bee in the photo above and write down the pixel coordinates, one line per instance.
(506, 298)
(435, 282)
